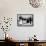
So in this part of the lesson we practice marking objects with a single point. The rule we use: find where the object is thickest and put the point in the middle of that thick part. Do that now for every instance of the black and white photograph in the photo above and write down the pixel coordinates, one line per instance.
(25, 19)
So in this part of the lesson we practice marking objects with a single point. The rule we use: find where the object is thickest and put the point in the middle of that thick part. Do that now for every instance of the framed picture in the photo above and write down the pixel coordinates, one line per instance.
(24, 19)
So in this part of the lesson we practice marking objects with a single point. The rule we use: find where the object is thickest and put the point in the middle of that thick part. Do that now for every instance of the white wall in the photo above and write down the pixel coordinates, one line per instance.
(11, 8)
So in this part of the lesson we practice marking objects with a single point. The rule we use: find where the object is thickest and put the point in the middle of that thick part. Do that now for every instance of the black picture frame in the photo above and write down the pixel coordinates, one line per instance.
(25, 20)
